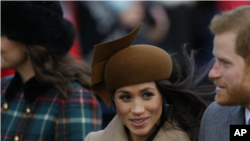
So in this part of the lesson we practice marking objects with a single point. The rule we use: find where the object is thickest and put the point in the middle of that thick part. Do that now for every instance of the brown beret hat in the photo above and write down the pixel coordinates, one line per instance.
(116, 64)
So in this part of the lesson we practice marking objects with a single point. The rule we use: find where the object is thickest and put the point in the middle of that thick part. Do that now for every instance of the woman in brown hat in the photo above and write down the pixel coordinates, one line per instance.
(149, 107)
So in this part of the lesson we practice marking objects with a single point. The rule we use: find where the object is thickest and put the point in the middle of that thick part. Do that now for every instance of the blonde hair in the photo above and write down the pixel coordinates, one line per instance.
(237, 20)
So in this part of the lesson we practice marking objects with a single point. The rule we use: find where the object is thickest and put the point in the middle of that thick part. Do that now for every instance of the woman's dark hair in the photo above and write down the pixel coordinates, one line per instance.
(58, 71)
(185, 96)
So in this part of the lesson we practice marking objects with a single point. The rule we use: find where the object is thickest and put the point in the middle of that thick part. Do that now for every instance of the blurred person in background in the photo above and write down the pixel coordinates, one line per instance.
(104, 21)
(229, 5)
(179, 30)
(137, 79)
(48, 97)
(202, 38)
(201, 15)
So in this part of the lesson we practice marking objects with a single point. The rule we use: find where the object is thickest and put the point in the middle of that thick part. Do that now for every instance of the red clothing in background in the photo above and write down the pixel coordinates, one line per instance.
(71, 14)
(6, 73)
(231, 4)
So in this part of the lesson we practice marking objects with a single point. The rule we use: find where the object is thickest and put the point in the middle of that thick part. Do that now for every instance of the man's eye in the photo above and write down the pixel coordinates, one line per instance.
(224, 63)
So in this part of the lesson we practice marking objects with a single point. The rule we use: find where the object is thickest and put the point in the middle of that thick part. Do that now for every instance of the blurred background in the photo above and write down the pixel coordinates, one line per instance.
(166, 24)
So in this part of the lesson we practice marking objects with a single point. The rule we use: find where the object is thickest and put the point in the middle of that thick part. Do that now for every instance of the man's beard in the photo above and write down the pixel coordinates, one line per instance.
(239, 94)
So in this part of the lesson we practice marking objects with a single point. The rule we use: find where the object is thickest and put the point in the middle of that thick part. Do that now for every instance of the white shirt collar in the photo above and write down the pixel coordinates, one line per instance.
(247, 115)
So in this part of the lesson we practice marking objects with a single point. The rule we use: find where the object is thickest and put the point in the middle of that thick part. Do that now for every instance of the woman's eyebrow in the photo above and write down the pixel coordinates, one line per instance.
(143, 90)
(122, 91)
(148, 88)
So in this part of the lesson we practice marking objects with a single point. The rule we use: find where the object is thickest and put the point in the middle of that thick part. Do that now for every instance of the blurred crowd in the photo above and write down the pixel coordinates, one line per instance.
(166, 24)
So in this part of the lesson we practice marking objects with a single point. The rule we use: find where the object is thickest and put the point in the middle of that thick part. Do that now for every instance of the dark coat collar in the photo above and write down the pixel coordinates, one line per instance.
(32, 88)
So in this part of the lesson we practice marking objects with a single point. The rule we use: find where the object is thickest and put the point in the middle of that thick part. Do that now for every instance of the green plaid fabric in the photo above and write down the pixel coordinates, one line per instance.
(51, 117)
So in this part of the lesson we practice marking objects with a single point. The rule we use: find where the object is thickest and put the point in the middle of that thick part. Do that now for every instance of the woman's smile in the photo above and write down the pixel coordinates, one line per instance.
(139, 122)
